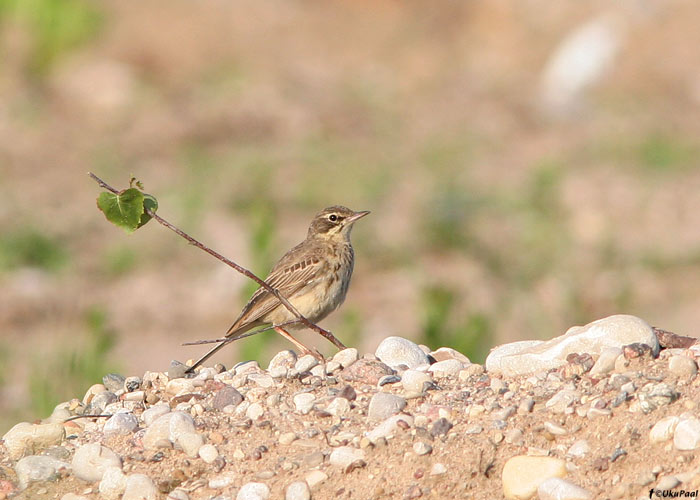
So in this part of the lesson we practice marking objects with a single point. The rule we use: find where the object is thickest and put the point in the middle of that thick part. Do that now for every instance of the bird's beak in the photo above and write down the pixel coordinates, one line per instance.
(356, 216)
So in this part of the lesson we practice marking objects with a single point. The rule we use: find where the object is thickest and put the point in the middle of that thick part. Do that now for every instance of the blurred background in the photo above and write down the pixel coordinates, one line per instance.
(529, 166)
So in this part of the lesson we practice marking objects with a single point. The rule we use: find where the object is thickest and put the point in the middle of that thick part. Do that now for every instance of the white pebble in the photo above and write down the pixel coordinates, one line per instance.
(298, 490)
(304, 402)
(140, 487)
(208, 453)
(253, 491)
(91, 460)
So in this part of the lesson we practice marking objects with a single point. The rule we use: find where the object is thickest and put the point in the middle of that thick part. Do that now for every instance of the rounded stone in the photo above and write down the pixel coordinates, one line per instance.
(343, 456)
(304, 402)
(346, 357)
(25, 438)
(663, 429)
(559, 489)
(208, 453)
(523, 474)
(91, 460)
(140, 487)
(687, 434)
(121, 424)
(113, 483)
(422, 448)
(253, 491)
(682, 366)
(151, 415)
(38, 468)
(446, 368)
(298, 490)
(397, 351)
(383, 405)
(414, 381)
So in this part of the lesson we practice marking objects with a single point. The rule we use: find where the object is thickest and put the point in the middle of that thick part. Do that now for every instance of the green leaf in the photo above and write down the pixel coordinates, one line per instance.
(149, 203)
(123, 209)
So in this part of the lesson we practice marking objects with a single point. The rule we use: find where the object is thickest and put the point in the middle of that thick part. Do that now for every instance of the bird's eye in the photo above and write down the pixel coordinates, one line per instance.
(332, 217)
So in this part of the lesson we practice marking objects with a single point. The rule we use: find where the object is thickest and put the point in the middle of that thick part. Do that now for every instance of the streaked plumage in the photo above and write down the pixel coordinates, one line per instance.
(314, 276)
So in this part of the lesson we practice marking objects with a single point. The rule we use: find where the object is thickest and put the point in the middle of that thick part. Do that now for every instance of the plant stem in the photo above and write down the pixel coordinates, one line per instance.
(283, 300)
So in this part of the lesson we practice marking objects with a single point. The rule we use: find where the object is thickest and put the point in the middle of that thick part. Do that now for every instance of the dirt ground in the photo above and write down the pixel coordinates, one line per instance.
(621, 462)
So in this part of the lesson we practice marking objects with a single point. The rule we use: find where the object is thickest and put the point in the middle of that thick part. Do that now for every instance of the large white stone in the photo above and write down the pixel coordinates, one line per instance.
(522, 358)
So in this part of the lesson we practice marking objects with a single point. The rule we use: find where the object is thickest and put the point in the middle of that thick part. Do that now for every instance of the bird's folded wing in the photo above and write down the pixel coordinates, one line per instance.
(288, 278)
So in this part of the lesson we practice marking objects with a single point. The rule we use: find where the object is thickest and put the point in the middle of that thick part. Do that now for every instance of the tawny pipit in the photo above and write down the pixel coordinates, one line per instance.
(313, 276)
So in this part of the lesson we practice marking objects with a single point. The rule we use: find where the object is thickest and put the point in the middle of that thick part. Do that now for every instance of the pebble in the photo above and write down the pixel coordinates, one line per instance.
(398, 351)
(304, 402)
(415, 382)
(560, 489)
(388, 379)
(227, 396)
(523, 474)
(179, 386)
(305, 363)
(132, 384)
(562, 400)
(555, 429)
(344, 456)
(178, 494)
(91, 460)
(526, 357)
(422, 448)
(663, 429)
(73, 496)
(606, 361)
(383, 405)
(253, 491)
(339, 407)
(444, 353)
(255, 411)
(282, 363)
(346, 357)
(682, 366)
(440, 427)
(315, 477)
(388, 428)
(101, 401)
(687, 434)
(263, 380)
(514, 436)
(93, 391)
(140, 487)
(113, 382)
(25, 438)
(287, 438)
(446, 368)
(208, 453)
(121, 424)
(38, 468)
(438, 469)
(667, 483)
(113, 483)
(298, 490)
(151, 415)
(176, 427)
(220, 482)
(579, 449)
(366, 371)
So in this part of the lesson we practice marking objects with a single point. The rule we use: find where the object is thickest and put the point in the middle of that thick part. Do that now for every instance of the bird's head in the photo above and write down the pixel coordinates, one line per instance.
(334, 221)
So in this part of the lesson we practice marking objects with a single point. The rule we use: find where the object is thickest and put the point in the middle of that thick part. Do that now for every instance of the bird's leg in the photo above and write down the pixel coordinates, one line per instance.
(299, 345)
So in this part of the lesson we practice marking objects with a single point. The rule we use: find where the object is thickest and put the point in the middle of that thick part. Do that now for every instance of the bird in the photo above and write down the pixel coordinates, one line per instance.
(314, 277)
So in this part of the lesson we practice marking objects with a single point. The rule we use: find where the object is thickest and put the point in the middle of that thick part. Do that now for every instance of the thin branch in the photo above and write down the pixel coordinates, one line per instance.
(283, 300)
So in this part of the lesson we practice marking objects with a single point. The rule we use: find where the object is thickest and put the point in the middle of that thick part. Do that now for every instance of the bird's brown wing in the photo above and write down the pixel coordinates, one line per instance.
(299, 267)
